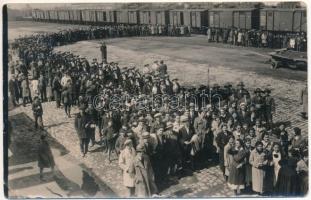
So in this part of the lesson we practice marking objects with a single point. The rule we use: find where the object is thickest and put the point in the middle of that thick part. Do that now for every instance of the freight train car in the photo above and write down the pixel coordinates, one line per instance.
(122, 17)
(246, 18)
(145, 17)
(101, 17)
(89, 16)
(75, 16)
(285, 20)
(63, 16)
(53, 15)
(133, 16)
(111, 16)
(160, 17)
(34, 15)
(46, 16)
(194, 18)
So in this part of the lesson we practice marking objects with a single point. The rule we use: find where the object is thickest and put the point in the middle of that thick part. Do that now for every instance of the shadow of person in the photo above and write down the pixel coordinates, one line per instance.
(89, 186)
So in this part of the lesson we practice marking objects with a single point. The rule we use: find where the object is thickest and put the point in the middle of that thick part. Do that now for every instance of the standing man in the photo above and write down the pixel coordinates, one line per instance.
(13, 88)
(222, 140)
(81, 128)
(37, 112)
(304, 101)
(103, 49)
(269, 108)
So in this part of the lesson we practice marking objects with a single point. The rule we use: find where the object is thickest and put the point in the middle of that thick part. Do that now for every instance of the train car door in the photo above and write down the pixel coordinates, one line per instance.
(242, 20)
(297, 21)
(236, 19)
(193, 19)
(304, 21)
(270, 20)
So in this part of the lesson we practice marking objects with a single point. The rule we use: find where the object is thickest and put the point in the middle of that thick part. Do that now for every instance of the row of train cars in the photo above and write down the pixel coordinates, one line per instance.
(270, 19)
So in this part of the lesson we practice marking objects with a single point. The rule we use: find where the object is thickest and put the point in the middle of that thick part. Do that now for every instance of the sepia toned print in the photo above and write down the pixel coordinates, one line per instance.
(149, 100)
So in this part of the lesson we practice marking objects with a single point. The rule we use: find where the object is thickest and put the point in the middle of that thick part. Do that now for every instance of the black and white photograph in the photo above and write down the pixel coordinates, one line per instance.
(155, 99)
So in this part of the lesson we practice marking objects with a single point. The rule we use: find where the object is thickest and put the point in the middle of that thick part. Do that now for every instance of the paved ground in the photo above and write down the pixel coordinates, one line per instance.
(71, 179)
(188, 59)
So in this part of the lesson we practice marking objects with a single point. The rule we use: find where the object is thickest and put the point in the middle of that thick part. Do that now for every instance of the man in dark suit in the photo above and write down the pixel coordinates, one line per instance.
(81, 125)
(185, 135)
(222, 140)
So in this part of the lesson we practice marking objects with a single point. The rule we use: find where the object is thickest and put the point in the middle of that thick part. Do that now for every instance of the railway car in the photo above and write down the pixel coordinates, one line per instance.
(133, 17)
(89, 16)
(122, 17)
(63, 16)
(160, 17)
(284, 20)
(145, 17)
(194, 18)
(75, 16)
(53, 15)
(101, 17)
(246, 18)
(39, 14)
(34, 15)
(46, 16)
(111, 16)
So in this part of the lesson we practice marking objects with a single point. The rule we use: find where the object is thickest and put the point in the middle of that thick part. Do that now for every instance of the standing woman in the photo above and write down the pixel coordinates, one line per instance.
(126, 163)
(144, 177)
(236, 180)
(276, 157)
(258, 161)
(228, 157)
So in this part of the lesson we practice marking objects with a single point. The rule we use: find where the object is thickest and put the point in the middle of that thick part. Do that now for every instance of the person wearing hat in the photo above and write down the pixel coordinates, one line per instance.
(37, 112)
(259, 101)
(110, 135)
(14, 91)
(304, 101)
(298, 142)
(269, 108)
(26, 93)
(222, 140)
(303, 171)
(185, 133)
(56, 88)
(120, 142)
(80, 125)
(103, 50)
(287, 183)
(144, 176)
(157, 123)
(126, 163)
(45, 156)
(241, 92)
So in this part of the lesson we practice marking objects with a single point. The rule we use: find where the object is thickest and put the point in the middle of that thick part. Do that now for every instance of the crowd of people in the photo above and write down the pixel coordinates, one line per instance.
(258, 38)
(157, 127)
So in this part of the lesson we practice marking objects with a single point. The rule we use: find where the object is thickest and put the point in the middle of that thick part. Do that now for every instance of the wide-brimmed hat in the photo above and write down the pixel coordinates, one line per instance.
(127, 142)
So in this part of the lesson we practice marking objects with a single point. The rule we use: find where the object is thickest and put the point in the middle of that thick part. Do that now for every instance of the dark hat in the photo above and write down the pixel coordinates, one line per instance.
(241, 83)
(258, 90)
(175, 79)
(267, 90)
(297, 131)
(215, 85)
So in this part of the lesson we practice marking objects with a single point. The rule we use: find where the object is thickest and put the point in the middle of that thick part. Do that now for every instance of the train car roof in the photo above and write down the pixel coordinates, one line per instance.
(233, 9)
(284, 9)
(190, 9)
